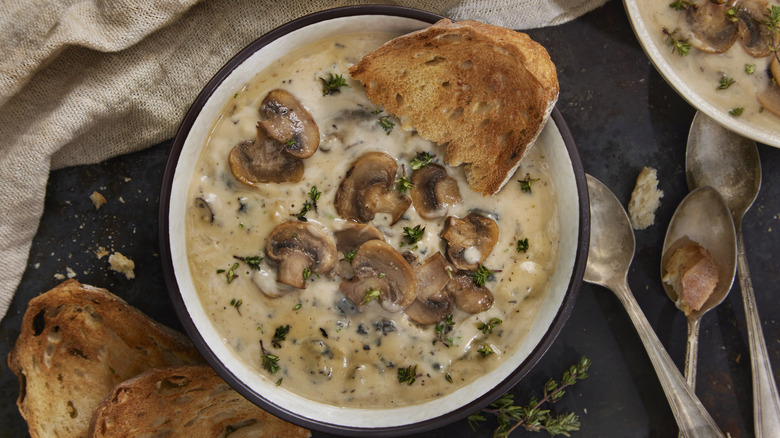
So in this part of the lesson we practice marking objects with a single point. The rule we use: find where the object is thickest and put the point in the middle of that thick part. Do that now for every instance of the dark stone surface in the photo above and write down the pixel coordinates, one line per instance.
(623, 116)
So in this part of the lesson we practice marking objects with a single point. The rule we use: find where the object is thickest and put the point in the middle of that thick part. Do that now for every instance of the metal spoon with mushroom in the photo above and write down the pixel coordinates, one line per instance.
(609, 257)
(704, 219)
(728, 162)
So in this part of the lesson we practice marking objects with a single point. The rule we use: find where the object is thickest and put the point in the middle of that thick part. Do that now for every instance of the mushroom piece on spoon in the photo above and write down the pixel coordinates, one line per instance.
(300, 246)
(367, 189)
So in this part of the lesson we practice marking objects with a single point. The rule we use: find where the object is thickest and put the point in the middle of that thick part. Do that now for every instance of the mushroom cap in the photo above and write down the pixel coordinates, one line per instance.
(262, 161)
(433, 303)
(754, 35)
(288, 122)
(378, 265)
(367, 189)
(433, 191)
(469, 240)
(353, 235)
(295, 246)
(467, 296)
(713, 31)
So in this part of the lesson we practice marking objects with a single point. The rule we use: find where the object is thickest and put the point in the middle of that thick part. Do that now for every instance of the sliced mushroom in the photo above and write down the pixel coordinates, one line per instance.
(770, 97)
(289, 123)
(297, 246)
(378, 266)
(204, 211)
(368, 189)
(713, 31)
(353, 235)
(432, 303)
(469, 240)
(754, 35)
(433, 191)
(262, 161)
(469, 297)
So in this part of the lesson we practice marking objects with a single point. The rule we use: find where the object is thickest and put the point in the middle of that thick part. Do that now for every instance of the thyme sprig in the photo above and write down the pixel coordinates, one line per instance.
(679, 45)
(407, 375)
(531, 416)
(333, 84)
(442, 328)
(270, 361)
(422, 159)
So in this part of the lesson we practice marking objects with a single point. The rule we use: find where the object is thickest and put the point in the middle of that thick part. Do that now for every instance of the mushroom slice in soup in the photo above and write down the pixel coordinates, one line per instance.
(288, 122)
(262, 161)
(367, 189)
(433, 191)
(469, 240)
(353, 235)
(433, 303)
(712, 30)
(379, 267)
(754, 35)
(467, 295)
(298, 248)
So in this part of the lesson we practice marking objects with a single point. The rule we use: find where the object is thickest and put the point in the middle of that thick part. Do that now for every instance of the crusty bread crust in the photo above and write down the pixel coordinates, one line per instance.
(187, 401)
(693, 275)
(483, 92)
(76, 343)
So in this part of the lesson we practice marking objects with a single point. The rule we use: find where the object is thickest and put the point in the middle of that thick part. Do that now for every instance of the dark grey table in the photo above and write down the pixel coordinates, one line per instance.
(623, 116)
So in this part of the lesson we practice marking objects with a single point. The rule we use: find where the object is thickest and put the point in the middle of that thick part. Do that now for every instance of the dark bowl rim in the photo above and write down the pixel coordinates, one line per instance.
(541, 348)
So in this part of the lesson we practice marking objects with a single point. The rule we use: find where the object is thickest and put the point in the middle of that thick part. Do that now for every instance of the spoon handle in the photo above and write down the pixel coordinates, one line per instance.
(691, 416)
(766, 404)
(692, 352)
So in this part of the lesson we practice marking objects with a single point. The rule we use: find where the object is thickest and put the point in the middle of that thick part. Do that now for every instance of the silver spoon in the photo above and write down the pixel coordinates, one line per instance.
(609, 257)
(728, 162)
(702, 217)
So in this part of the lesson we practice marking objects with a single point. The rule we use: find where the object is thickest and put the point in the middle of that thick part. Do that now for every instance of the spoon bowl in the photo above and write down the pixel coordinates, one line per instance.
(702, 218)
(610, 253)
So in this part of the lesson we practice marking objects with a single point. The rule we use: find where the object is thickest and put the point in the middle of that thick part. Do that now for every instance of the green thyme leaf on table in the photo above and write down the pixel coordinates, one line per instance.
(333, 84)
(531, 416)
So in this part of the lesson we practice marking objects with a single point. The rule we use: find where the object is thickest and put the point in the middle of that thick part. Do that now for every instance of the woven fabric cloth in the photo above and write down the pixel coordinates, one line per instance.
(85, 80)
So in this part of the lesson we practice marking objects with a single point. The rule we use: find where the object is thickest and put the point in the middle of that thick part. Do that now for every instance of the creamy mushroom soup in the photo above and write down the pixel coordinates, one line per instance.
(722, 51)
(351, 333)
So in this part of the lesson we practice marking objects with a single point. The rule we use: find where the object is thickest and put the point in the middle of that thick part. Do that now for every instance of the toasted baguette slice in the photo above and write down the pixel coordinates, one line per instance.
(483, 92)
(76, 343)
(185, 401)
(693, 276)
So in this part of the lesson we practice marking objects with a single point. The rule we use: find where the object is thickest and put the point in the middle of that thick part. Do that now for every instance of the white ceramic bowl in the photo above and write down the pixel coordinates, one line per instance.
(558, 303)
(765, 129)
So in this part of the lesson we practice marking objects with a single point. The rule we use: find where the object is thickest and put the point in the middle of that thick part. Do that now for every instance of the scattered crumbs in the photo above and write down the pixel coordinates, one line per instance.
(70, 272)
(97, 199)
(122, 264)
(101, 252)
(59, 277)
(585, 411)
(37, 265)
(128, 179)
(121, 200)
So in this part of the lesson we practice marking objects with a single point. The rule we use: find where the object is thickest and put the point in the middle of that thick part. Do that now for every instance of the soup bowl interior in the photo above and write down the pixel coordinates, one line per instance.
(572, 206)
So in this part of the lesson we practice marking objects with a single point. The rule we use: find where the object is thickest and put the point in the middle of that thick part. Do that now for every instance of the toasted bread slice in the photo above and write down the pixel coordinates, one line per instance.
(693, 275)
(186, 401)
(481, 91)
(76, 343)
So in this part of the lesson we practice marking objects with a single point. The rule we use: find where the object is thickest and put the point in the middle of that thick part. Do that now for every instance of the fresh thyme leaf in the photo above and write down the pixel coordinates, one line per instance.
(376, 111)
(522, 245)
(413, 235)
(680, 45)
(270, 361)
(736, 111)
(403, 184)
(290, 141)
(485, 350)
(481, 275)
(279, 382)
(231, 274)
(422, 159)
(236, 303)
(442, 328)
(732, 14)
(680, 5)
(252, 261)
(725, 82)
(349, 255)
(407, 375)
(750, 68)
(773, 23)
(297, 306)
(490, 325)
(307, 206)
(306, 274)
(448, 377)
(525, 184)
(332, 84)
(314, 195)
(386, 124)
(280, 335)
(371, 294)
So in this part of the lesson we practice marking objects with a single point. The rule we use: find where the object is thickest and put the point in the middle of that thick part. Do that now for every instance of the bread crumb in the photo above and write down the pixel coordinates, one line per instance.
(645, 199)
(122, 264)
(101, 252)
(97, 199)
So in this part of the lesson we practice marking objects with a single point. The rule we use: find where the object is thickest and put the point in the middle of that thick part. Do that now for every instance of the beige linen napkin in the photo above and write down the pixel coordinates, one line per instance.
(85, 80)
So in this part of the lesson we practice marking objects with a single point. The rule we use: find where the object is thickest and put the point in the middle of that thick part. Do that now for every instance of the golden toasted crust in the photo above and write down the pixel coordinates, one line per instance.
(693, 275)
(76, 343)
(184, 401)
(481, 91)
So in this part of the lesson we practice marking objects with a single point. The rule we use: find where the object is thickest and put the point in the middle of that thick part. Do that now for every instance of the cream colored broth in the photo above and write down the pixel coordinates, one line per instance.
(703, 71)
(334, 353)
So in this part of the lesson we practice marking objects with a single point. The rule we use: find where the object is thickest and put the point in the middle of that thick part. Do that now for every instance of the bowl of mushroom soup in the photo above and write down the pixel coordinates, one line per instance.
(332, 268)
